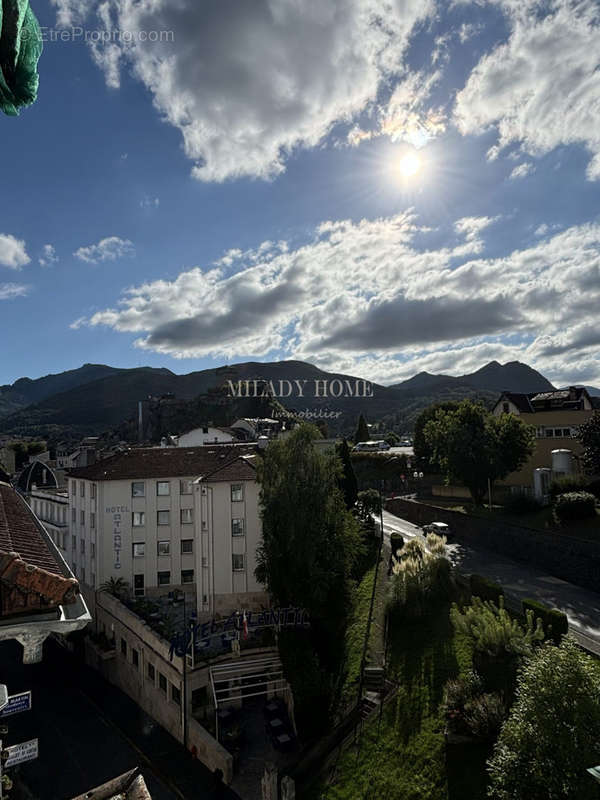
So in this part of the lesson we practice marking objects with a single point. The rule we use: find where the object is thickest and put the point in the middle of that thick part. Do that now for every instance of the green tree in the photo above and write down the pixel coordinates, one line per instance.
(347, 481)
(473, 446)
(309, 539)
(362, 431)
(422, 449)
(118, 587)
(369, 502)
(392, 438)
(552, 734)
(589, 436)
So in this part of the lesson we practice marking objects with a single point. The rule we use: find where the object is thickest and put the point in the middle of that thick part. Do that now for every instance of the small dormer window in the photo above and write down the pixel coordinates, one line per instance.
(505, 408)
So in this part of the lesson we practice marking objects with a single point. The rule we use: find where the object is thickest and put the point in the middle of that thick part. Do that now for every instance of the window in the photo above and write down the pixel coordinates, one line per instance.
(237, 492)
(82, 517)
(92, 519)
(137, 549)
(138, 585)
(151, 673)
(187, 575)
(82, 488)
(138, 519)
(187, 546)
(186, 516)
(175, 694)
(73, 543)
(124, 647)
(163, 488)
(164, 548)
(237, 527)
(185, 487)
(163, 578)
(549, 433)
(93, 491)
(135, 657)
(83, 574)
(162, 517)
(162, 682)
(73, 487)
(73, 515)
(82, 546)
(138, 489)
(92, 550)
(204, 561)
(93, 581)
(237, 560)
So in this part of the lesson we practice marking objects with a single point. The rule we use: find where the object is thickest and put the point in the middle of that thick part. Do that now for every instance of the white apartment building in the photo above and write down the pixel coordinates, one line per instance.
(170, 518)
(51, 507)
(205, 435)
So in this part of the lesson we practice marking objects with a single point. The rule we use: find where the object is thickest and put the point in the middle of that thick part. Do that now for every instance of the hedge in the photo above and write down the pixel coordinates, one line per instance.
(554, 621)
(486, 589)
(397, 542)
(570, 483)
(574, 505)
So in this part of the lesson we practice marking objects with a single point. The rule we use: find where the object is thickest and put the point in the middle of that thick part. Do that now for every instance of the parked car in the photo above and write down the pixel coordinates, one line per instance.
(439, 528)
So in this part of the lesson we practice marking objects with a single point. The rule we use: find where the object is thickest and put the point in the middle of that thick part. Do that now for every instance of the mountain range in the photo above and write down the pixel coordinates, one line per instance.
(96, 398)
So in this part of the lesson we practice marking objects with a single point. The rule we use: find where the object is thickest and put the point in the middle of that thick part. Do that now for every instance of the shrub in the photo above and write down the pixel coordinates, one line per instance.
(555, 623)
(570, 483)
(594, 488)
(397, 542)
(574, 506)
(420, 575)
(486, 589)
(485, 715)
(521, 504)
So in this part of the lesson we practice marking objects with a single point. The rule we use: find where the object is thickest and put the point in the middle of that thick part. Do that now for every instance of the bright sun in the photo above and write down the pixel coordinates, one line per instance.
(409, 165)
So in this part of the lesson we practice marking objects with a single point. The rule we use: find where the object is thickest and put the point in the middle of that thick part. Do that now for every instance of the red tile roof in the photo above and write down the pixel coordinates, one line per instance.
(20, 532)
(168, 462)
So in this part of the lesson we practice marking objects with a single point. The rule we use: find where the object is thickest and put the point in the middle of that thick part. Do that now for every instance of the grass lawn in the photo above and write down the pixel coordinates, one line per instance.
(405, 757)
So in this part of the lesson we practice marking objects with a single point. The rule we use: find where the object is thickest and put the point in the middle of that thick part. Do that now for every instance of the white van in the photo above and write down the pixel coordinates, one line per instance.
(439, 528)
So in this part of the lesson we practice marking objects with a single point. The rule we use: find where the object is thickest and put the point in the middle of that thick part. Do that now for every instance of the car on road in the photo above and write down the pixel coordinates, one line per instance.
(439, 528)
(372, 446)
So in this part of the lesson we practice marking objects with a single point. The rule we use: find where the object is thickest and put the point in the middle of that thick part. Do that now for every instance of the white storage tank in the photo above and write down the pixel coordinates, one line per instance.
(562, 462)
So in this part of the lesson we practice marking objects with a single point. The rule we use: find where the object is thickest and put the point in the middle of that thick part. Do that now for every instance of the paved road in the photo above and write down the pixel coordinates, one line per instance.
(519, 581)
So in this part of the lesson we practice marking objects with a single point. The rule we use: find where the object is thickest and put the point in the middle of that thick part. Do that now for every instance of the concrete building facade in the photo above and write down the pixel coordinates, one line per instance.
(166, 519)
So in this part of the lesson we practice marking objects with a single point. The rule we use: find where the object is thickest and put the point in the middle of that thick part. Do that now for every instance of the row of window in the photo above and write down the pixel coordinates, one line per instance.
(82, 489)
(555, 433)
(163, 489)
(82, 517)
(51, 512)
(163, 578)
(163, 683)
(186, 517)
(163, 548)
(82, 546)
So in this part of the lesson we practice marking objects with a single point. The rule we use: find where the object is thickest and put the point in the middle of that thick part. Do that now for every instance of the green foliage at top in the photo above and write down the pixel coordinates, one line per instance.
(421, 447)
(471, 445)
(589, 437)
(574, 506)
(362, 431)
(552, 735)
(347, 482)
(118, 587)
(309, 539)
(392, 438)
(555, 623)
(369, 502)
(485, 588)
(20, 50)
(493, 631)
(23, 450)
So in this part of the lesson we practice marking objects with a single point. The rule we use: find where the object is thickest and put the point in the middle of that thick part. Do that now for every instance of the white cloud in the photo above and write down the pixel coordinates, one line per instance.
(521, 170)
(288, 70)
(364, 294)
(10, 290)
(149, 202)
(13, 253)
(48, 256)
(108, 249)
(541, 88)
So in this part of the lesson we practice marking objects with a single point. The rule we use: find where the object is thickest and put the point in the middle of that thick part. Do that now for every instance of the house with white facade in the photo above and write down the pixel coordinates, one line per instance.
(205, 435)
(170, 518)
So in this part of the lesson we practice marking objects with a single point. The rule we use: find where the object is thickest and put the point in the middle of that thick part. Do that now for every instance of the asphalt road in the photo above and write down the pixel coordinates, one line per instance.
(519, 581)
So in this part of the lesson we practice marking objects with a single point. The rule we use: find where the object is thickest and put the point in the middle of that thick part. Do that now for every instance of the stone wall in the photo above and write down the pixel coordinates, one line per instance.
(576, 560)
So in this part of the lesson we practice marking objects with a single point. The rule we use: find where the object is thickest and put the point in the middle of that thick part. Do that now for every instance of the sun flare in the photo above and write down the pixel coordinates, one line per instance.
(409, 165)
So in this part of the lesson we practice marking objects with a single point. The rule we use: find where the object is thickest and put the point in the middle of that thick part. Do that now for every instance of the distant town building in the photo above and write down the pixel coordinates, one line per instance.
(206, 435)
(38, 592)
(161, 519)
(556, 417)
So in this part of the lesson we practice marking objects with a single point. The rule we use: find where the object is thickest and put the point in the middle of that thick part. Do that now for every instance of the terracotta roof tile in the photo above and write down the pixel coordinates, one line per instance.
(20, 533)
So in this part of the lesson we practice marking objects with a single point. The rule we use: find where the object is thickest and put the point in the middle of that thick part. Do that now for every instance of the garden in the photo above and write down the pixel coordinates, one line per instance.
(464, 668)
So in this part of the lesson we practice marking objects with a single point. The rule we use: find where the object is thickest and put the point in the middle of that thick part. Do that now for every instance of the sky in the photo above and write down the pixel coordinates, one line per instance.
(379, 187)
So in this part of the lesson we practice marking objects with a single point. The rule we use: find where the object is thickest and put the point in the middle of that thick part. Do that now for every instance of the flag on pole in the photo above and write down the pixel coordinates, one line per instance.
(245, 624)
